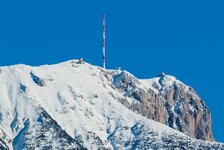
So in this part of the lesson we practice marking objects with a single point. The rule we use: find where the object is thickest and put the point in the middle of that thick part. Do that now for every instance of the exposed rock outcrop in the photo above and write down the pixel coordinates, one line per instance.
(169, 101)
(4, 141)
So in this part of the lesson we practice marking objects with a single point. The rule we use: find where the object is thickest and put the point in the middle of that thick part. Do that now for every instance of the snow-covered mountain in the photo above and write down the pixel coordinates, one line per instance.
(80, 106)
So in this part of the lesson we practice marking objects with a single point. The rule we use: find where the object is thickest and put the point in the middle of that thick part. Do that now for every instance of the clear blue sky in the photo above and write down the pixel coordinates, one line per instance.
(145, 37)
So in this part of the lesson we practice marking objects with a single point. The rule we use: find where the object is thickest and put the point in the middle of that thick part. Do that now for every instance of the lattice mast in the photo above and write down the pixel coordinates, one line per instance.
(104, 41)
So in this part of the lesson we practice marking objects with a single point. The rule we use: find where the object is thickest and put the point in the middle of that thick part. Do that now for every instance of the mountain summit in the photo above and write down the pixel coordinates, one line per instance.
(75, 105)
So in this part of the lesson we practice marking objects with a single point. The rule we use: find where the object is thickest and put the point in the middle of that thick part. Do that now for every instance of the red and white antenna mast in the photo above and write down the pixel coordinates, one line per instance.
(104, 41)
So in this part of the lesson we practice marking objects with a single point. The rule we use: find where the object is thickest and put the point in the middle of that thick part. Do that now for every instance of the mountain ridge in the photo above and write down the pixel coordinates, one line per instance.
(82, 105)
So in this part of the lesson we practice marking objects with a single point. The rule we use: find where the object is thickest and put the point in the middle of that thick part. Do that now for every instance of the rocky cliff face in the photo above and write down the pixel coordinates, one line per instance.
(169, 101)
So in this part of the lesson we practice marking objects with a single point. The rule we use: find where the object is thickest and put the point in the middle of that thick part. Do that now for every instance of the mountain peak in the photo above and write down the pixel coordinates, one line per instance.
(163, 83)
(167, 80)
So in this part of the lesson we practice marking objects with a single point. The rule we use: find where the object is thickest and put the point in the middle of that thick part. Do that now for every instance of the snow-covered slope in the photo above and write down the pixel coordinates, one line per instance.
(77, 106)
